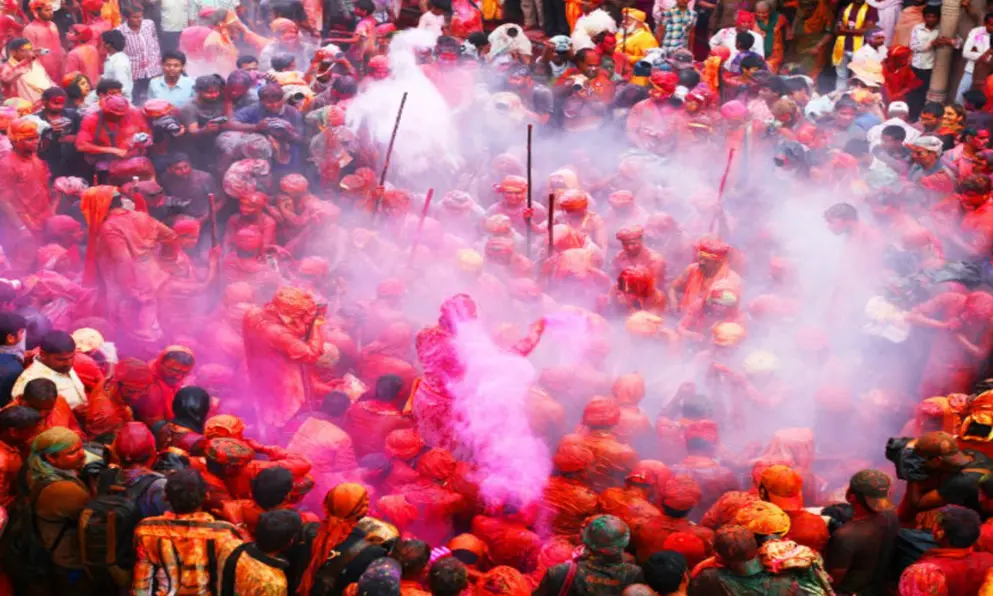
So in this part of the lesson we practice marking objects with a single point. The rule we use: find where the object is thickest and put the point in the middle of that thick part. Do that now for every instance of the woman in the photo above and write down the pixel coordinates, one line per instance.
(78, 88)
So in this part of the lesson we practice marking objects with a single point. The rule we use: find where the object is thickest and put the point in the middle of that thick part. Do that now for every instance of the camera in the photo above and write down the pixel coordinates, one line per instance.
(909, 466)
(169, 124)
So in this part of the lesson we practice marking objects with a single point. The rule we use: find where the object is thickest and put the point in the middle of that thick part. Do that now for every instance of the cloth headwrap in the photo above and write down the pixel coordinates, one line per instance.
(469, 543)
(498, 245)
(923, 579)
(92, 5)
(156, 108)
(61, 225)
(681, 493)
(693, 549)
(644, 324)
(512, 184)
(503, 581)
(224, 426)
(293, 184)
(21, 129)
(437, 465)
(710, 247)
(132, 371)
(94, 202)
(313, 267)
(650, 472)
(294, 302)
(564, 178)
(726, 508)
(49, 255)
(632, 233)
(134, 443)
(764, 518)
(734, 110)
(664, 82)
(54, 440)
(87, 370)
(404, 444)
(621, 198)
(572, 457)
(629, 389)
(281, 25)
(81, 33)
(117, 105)
(606, 535)
(928, 143)
(344, 506)
(573, 201)
(601, 412)
(186, 226)
(705, 430)
(229, 452)
(727, 334)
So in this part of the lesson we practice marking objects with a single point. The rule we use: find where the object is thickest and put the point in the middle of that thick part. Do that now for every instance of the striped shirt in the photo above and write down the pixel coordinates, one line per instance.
(142, 47)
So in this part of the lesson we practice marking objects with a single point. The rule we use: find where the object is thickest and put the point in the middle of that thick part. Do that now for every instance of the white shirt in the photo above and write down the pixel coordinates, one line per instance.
(976, 44)
(726, 37)
(432, 22)
(922, 44)
(68, 385)
(118, 67)
(175, 15)
(867, 53)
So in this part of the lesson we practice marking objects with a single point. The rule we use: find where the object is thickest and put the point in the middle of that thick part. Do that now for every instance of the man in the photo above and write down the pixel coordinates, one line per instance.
(783, 487)
(23, 74)
(233, 461)
(280, 122)
(666, 573)
(613, 460)
(874, 51)
(282, 340)
(651, 122)
(172, 85)
(448, 577)
(370, 420)
(928, 170)
(24, 196)
(12, 336)
(288, 41)
(135, 448)
(727, 37)
(633, 253)
(117, 66)
(675, 25)
(414, 556)
(514, 204)
(141, 48)
(567, 501)
(252, 214)
(636, 38)
(696, 281)
(739, 568)
(109, 407)
(84, 56)
(41, 396)
(434, 18)
(174, 548)
(859, 552)
(57, 147)
(320, 438)
(18, 425)
(107, 134)
(54, 362)
(257, 568)
(855, 20)
(601, 566)
(185, 429)
(574, 211)
(204, 118)
(975, 49)
(44, 34)
(181, 180)
(130, 275)
(962, 567)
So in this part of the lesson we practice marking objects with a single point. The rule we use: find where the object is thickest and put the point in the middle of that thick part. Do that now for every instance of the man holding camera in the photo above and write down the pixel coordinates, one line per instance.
(23, 75)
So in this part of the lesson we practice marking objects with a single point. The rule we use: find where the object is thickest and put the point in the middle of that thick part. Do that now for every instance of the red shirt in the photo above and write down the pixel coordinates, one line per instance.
(964, 569)
(24, 188)
(121, 131)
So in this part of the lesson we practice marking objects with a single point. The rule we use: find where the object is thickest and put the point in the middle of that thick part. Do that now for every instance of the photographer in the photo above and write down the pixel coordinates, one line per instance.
(57, 147)
(275, 119)
(21, 74)
(204, 118)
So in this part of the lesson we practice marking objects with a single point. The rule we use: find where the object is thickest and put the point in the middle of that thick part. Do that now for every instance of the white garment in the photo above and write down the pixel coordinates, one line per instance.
(922, 45)
(868, 53)
(726, 38)
(875, 134)
(432, 22)
(175, 15)
(118, 67)
(68, 385)
(976, 44)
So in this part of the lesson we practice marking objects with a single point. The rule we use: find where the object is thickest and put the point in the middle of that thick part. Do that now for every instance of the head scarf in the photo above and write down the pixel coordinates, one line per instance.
(229, 452)
(54, 440)
(344, 506)
(689, 545)
(437, 465)
(21, 129)
(503, 581)
(88, 371)
(571, 458)
(726, 508)
(132, 371)
(404, 444)
(601, 412)
(224, 426)
(606, 535)
(681, 493)
(134, 444)
(764, 518)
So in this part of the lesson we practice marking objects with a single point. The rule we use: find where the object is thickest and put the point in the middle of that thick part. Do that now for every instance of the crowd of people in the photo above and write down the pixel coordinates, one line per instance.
(575, 298)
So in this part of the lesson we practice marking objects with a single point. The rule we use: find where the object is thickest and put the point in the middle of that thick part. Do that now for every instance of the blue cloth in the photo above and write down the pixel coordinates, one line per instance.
(256, 113)
(177, 96)
(867, 120)
(11, 367)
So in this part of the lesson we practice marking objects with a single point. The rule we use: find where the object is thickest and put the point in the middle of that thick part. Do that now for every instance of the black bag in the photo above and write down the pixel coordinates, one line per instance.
(25, 558)
(106, 527)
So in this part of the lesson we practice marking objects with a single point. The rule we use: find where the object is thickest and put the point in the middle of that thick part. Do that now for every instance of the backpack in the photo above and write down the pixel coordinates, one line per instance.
(107, 524)
(26, 560)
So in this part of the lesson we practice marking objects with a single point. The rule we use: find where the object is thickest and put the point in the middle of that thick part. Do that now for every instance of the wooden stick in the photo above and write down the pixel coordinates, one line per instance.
(527, 244)
(720, 216)
(551, 226)
(213, 220)
(389, 152)
(420, 226)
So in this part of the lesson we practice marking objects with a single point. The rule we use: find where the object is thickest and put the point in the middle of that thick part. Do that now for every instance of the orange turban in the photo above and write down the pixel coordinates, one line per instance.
(601, 412)
(632, 233)
(726, 508)
(294, 302)
(437, 464)
(22, 129)
(687, 544)
(574, 201)
(503, 581)
(629, 389)
(404, 444)
(224, 426)
(712, 248)
(681, 493)
(650, 472)
(764, 518)
(156, 108)
(572, 457)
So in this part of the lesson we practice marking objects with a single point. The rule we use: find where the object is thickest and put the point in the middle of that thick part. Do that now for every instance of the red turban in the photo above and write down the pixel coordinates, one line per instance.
(229, 452)
(687, 544)
(313, 267)
(117, 105)
(665, 82)
(80, 33)
(808, 530)
(574, 200)
(186, 226)
(650, 472)
(979, 306)
(404, 444)
(712, 248)
(503, 581)
(133, 372)
(621, 198)
(21, 129)
(437, 464)
(92, 5)
(498, 245)
(734, 110)
(134, 443)
(705, 430)
(133, 167)
(572, 457)
(601, 412)
(224, 426)
(156, 108)
(923, 579)
(681, 493)
(632, 233)
(629, 389)
(88, 370)
(726, 508)
(556, 551)
(293, 184)
(396, 510)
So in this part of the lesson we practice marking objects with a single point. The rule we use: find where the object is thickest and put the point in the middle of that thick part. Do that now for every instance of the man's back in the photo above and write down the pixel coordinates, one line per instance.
(178, 554)
(723, 582)
(862, 549)
(593, 577)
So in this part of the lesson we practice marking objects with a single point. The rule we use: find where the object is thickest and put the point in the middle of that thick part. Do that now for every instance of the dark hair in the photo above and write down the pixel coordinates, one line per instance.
(975, 98)
(734, 544)
(845, 102)
(345, 85)
(857, 147)
(11, 324)
(207, 82)
(335, 404)
(960, 525)
(271, 90)
(442, 5)
(580, 56)
(19, 417)
(842, 211)
(17, 43)
(184, 358)
(174, 55)
(185, 491)
(987, 18)
(752, 61)
(896, 132)
(366, 5)
(114, 39)
(271, 486)
(277, 529)
(53, 92)
(105, 86)
(173, 158)
(40, 391)
(130, 9)
(57, 342)
(933, 108)
(448, 577)
(961, 489)
(664, 571)
(388, 387)
(245, 59)
(414, 556)
(281, 62)
(794, 84)
(932, 10)
(478, 39)
(745, 40)
(676, 513)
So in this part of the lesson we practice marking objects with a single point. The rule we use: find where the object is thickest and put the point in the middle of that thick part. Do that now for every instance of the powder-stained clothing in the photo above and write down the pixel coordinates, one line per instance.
(45, 35)
(244, 570)
(178, 554)
(10, 467)
(57, 508)
(565, 505)
(594, 577)
(68, 385)
(24, 190)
